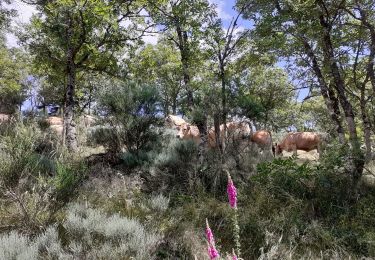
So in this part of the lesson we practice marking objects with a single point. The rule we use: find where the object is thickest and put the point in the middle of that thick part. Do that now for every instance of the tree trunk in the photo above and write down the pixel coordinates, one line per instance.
(217, 129)
(327, 94)
(370, 64)
(202, 127)
(357, 156)
(224, 106)
(69, 125)
(366, 125)
(184, 52)
(174, 106)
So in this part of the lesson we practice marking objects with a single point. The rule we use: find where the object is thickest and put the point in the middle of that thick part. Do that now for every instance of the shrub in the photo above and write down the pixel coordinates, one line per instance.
(86, 233)
(176, 155)
(17, 246)
(43, 124)
(159, 202)
(175, 165)
(132, 114)
(33, 186)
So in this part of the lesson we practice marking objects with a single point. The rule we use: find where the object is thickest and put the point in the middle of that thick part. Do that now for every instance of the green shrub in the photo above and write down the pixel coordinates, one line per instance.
(33, 185)
(177, 155)
(66, 180)
(132, 114)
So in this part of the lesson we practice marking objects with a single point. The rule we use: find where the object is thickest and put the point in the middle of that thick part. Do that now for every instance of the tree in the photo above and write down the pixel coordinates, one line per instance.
(310, 34)
(12, 80)
(5, 16)
(160, 65)
(183, 23)
(264, 91)
(75, 36)
(223, 47)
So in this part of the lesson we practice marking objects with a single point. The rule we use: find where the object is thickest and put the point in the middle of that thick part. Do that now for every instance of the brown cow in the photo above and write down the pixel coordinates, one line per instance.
(4, 118)
(189, 132)
(56, 124)
(306, 141)
(263, 139)
(174, 122)
(54, 120)
(235, 131)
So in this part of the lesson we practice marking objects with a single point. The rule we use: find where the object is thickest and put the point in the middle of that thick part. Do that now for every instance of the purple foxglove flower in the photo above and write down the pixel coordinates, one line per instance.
(232, 193)
(234, 256)
(209, 235)
(212, 252)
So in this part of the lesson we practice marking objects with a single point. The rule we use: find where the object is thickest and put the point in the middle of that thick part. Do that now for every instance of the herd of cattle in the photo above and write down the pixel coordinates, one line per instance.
(306, 141)
(235, 131)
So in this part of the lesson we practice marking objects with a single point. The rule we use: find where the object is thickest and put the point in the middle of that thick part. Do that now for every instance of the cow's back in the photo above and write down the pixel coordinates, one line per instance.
(305, 141)
(174, 121)
(235, 131)
(4, 118)
(54, 120)
(262, 138)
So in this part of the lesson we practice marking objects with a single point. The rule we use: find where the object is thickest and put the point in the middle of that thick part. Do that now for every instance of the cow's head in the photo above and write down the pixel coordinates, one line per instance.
(183, 131)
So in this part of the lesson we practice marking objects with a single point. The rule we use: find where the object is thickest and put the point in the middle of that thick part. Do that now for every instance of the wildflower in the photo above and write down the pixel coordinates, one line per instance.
(212, 252)
(232, 193)
(234, 256)
(209, 235)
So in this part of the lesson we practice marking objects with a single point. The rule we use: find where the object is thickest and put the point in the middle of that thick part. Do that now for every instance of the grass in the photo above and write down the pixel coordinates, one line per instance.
(288, 208)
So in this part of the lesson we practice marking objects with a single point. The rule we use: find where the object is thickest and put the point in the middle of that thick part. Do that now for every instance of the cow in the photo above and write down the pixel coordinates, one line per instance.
(189, 132)
(236, 131)
(263, 139)
(4, 118)
(306, 141)
(54, 120)
(174, 122)
(56, 124)
(89, 120)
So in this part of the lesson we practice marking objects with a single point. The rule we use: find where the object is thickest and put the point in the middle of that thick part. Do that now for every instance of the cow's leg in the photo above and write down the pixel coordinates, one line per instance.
(295, 149)
(319, 149)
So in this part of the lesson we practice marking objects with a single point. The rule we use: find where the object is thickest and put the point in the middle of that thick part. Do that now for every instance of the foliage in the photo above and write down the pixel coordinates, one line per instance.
(86, 232)
(33, 186)
(265, 92)
(131, 112)
(12, 87)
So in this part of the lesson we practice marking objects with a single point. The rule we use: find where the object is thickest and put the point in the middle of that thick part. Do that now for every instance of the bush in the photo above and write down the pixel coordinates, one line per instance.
(33, 186)
(86, 233)
(131, 112)
(17, 246)
(175, 166)
(310, 207)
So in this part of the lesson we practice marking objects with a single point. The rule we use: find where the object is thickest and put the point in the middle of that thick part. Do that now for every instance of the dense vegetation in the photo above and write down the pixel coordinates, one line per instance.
(122, 186)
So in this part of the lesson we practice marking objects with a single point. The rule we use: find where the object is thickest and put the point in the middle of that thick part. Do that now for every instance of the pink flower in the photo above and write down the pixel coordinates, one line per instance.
(234, 256)
(209, 235)
(232, 193)
(212, 252)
